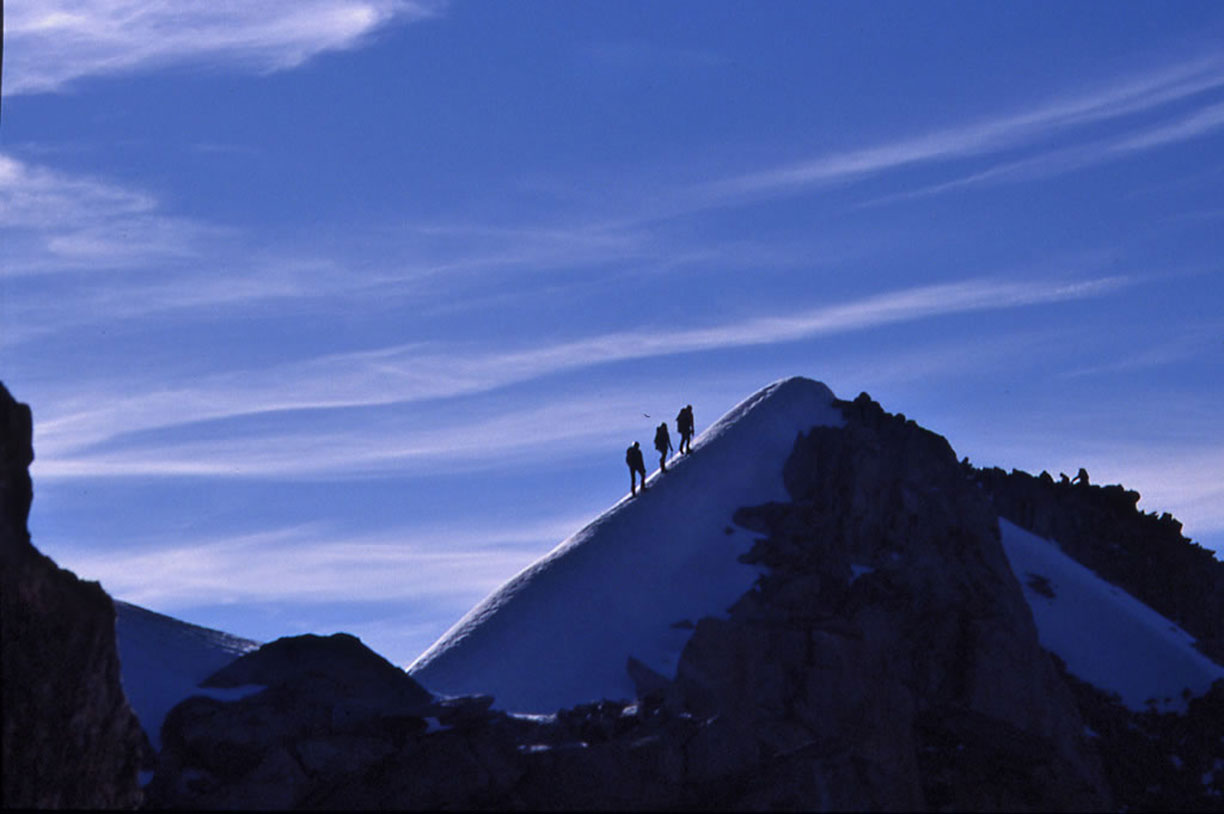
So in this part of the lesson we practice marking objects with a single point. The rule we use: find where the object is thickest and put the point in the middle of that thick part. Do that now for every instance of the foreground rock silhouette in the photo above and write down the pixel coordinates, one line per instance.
(70, 740)
(889, 625)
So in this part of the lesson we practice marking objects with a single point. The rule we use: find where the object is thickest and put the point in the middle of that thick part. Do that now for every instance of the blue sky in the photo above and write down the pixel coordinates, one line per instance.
(334, 314)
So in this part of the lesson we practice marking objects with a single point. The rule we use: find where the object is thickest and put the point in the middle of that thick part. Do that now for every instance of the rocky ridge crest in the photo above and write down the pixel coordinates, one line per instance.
(1102, 528)
(886, 660)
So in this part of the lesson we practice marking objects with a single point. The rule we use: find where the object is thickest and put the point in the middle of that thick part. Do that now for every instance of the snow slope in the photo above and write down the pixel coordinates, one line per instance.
(163, 659)
(1106, 636)
(561, 632)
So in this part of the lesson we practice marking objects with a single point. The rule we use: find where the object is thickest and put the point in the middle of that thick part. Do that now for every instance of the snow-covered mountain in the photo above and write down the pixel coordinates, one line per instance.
(1106, 636)
(162, 660)
(634, 581)
(819, 608)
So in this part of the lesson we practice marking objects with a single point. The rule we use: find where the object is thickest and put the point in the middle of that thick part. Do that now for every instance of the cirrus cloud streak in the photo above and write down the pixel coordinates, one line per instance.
(52, 43)
(424, 371)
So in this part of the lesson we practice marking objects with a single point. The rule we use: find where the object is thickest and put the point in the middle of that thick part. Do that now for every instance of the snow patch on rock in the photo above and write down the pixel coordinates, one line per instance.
(162, 660)
(561, 632)
(1106, 636)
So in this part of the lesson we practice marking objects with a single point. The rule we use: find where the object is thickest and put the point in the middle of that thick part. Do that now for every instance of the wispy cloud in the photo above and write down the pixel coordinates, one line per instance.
(1201, 123)
(78, 250)
(53, 221)
(133, 257)
(990, 135)
(309, 563)
(421, 371)
(348, 445)
(69, 437)
(398, 589)
(1190, 342)
(51, 43)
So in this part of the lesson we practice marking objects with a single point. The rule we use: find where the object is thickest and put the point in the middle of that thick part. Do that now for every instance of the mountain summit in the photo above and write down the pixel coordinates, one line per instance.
(609, 611)
(632, 583)
(820, 608)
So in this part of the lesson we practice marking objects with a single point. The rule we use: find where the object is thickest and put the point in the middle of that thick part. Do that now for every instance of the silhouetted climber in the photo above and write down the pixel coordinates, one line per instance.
(684, 426)
(633, 457)
(663, 445)
(1063, 480)
(1081, 478)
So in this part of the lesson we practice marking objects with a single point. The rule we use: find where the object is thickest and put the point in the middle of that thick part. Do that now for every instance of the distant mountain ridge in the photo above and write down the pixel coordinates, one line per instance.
(164, 660)
(883, 653)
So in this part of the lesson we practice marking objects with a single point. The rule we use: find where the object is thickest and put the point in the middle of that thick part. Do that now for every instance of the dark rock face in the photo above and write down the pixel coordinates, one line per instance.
(889, 642)
(330, 705)
(339, 727)
(1153, 761)
(341, 663)
(1158, 761)
(1145, 554)
(69, 738)
(886, 659)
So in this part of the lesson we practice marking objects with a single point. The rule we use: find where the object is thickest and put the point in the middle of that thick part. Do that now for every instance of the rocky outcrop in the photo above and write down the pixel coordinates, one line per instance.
(889, 641)
(328, 707)
(1102, 528)
(335, 726)
(1158, 761)
(69, 738)
(885, 660)
(367, 736)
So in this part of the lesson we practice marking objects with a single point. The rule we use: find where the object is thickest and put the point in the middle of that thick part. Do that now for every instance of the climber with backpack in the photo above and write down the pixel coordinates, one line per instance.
(684, 426)
(633, 457)
(663, 444)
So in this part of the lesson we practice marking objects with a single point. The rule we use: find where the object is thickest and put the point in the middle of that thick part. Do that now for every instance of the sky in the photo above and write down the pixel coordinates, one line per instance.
(335, 314)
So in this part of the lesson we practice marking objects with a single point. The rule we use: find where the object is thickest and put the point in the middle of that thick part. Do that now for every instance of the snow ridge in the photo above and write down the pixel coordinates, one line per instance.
(162, 661)
(1106, 636)
(560, 632)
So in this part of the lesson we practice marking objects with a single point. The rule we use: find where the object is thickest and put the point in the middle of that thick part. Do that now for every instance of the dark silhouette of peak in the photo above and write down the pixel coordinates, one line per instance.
(846, 632)
(340, 660)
